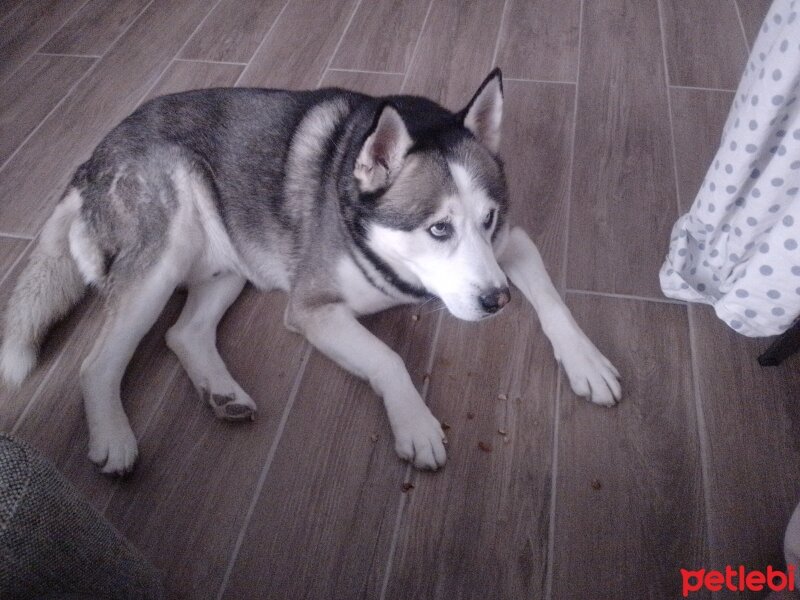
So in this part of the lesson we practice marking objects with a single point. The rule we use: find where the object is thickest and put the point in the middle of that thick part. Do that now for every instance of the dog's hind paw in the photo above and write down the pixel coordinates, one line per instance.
(232, 406)
(113, 449)
(420, 440)
(591, 374)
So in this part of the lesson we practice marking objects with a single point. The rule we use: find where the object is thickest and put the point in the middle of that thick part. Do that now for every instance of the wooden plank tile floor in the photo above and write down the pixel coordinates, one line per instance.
(613, 108)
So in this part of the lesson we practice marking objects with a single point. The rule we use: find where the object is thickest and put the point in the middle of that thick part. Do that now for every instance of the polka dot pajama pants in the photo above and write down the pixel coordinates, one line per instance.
(738, 247)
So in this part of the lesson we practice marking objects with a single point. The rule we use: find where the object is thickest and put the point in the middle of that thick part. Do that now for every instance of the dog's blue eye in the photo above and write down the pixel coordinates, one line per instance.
(487, 222)
(441, 230)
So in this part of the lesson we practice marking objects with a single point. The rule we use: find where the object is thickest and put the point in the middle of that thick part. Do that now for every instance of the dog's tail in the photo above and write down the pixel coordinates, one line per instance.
(47, 289)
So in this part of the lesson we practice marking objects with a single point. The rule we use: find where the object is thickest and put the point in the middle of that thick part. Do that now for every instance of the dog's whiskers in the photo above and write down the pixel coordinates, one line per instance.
(435, 308)
(431, 299)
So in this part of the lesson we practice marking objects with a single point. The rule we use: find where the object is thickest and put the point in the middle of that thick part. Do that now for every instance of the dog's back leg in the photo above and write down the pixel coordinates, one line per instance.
(193, 340)
(131, 311)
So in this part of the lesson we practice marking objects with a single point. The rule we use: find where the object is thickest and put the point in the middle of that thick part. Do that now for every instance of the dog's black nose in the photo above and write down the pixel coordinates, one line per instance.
(495, 299)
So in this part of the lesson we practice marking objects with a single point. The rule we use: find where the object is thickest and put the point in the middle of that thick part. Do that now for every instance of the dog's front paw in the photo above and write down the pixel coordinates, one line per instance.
(590, 374)
(113, 448)
(420, 440)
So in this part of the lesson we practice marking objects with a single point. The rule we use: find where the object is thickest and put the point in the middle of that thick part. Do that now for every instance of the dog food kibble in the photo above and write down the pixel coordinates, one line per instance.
(470, 415)
(502, 432)
(415, 317)
(485, 447)
(408, 486)
(596, 485)
(502, 397)
(426, 378)
(445, 425)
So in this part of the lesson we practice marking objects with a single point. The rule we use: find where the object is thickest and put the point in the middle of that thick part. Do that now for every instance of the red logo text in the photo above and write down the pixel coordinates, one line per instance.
(738, 580)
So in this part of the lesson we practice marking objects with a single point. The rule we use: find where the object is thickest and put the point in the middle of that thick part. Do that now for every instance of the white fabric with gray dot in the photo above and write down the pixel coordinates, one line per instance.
(738, 247)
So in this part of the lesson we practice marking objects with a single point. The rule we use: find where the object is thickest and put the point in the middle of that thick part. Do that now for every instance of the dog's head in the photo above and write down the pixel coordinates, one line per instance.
(438, 198)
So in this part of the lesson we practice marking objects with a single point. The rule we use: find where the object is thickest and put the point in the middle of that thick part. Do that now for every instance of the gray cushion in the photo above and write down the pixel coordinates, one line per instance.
(52, 542)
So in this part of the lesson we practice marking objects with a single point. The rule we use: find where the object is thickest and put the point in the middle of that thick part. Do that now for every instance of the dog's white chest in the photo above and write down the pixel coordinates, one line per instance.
(359, 294)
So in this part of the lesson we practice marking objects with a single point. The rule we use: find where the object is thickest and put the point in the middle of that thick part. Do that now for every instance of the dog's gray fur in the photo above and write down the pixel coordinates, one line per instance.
(336, 197)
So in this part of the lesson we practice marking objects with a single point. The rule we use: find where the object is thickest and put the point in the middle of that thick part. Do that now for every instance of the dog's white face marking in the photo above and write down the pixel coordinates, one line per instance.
(451, 255)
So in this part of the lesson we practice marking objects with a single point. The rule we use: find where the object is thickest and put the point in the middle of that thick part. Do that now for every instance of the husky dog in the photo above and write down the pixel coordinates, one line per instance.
(349, 203)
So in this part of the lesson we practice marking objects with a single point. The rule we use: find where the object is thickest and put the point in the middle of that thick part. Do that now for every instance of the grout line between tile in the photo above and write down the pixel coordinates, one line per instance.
(33, 131)
(39, 53)
(181, 49)
(141, 436)
(409, 474)
(262, 477)
(669, 108)
(741, 26)
(43, 44)
(703, 89)
(73, 87)
(551, 81)
(67, 20)
(499, 34)
(551, 525)
(126, 29)
(262, 42)
(13, 10)
(36, 394)
(401, 508)
(562, 285)
(416, 47)
(15, 263)
(624, 296)
(339, 43)
(334, 69)
(571, 170)
(16, 236)
(702, 438)
(702, 434)
(212, 62)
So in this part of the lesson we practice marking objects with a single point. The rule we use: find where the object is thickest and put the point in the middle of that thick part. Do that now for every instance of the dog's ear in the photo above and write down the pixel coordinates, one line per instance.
(483, 115)
(383, 151)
